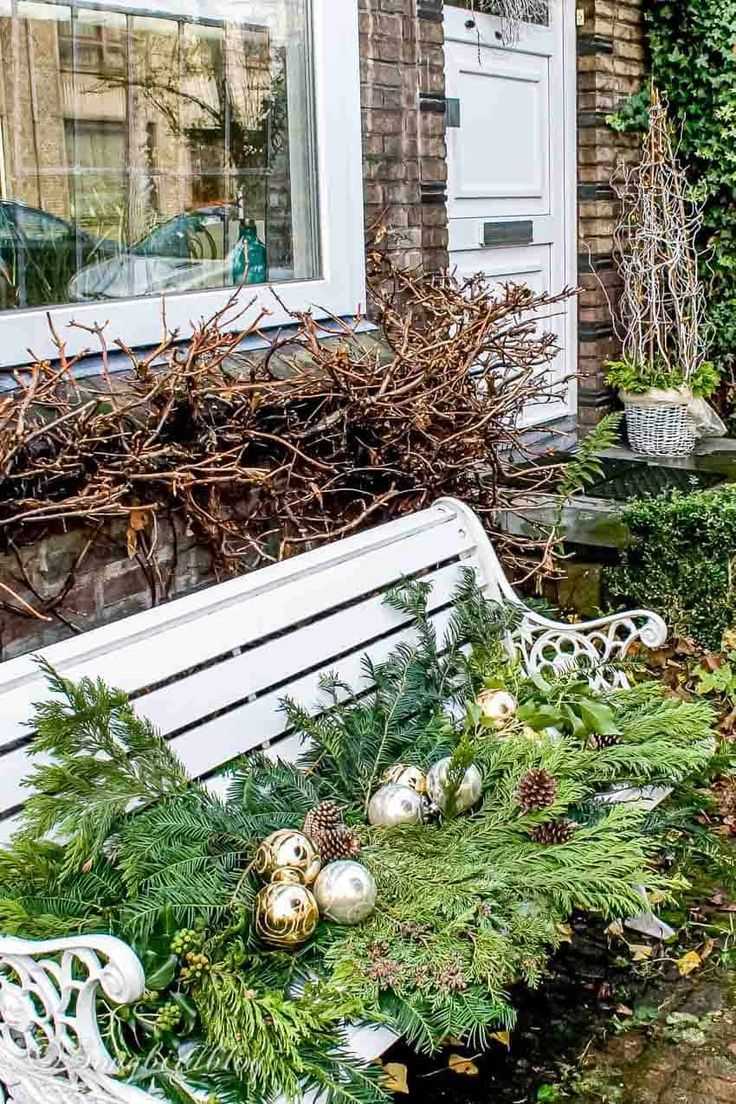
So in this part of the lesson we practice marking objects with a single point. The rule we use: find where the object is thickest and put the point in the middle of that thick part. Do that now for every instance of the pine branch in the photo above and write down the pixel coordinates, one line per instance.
(104, 760)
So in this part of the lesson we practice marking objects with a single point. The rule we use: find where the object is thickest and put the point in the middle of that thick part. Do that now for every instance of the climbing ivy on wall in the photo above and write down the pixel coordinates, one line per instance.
(693, 61)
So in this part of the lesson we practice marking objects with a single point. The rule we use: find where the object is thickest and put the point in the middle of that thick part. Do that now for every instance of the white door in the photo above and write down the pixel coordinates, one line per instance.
(511, 163)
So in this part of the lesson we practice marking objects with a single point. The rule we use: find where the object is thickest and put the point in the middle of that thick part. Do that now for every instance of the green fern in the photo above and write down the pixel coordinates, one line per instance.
(585, 466)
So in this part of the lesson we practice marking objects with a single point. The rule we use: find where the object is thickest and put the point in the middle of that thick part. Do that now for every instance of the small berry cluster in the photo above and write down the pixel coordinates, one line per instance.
(197, 965)
(168, 1017)
(187, 939)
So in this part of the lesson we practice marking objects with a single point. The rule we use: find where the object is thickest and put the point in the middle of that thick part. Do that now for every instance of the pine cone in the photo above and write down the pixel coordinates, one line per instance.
(322, 818)
(537, 790)
(337, 843)
(329, 834)
(601, 740)
(554, 831)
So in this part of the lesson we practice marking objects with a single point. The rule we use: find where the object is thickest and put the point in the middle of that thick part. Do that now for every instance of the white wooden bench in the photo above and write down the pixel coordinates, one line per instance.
(210, 671)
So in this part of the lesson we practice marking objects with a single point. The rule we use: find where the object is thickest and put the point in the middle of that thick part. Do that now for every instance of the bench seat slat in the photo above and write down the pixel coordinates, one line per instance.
(183, 637)
(199, 695)
(204, 748)
(248, 726)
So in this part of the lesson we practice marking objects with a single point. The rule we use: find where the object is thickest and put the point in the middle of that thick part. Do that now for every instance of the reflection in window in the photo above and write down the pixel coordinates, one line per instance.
(154, 151)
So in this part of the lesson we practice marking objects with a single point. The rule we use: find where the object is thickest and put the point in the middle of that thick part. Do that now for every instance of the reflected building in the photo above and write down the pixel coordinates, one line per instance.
(113, 122)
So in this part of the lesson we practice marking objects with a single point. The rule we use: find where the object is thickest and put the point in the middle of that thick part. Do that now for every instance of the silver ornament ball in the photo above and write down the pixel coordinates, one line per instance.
(469, 790)
(498, 707)
(345, 891)
(394, 804)
(404, 775)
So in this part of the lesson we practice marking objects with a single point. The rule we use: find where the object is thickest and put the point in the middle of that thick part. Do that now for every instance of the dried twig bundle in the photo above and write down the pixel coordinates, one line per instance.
(306, 444)
(513, 13)
(663, 304)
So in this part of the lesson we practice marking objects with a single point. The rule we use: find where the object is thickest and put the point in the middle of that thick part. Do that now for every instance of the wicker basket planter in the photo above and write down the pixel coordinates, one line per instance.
(659, 428)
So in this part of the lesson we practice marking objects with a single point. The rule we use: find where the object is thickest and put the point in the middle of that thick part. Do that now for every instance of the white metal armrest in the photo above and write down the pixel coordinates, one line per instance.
(51, 1050)
(542, 644)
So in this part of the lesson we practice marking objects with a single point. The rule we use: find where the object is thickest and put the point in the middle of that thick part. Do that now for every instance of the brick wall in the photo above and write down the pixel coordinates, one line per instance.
(85, 577)
(611, 65)
(403, 85)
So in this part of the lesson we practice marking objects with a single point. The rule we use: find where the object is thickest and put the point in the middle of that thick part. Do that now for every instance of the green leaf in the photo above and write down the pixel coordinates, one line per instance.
(163, 974)
(599, 718)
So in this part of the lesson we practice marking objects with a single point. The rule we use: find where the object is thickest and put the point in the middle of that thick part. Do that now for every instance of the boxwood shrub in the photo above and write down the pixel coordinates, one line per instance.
(681, 562)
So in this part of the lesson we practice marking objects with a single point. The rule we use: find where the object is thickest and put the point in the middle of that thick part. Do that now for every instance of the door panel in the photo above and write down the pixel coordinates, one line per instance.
(511, 174)
(501, 154)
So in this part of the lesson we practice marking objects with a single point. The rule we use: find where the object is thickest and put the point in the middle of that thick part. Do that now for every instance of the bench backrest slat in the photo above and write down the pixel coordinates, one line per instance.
(211, 669)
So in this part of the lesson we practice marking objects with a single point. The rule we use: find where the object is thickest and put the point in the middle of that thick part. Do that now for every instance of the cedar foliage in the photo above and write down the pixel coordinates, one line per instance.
(468, 906)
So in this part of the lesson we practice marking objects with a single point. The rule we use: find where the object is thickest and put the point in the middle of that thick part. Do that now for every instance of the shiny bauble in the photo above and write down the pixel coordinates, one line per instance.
(497, 706)
(392, 805)
(468, 792)
(285, 914)
(402, 775)
(345, 892)
(287, 849)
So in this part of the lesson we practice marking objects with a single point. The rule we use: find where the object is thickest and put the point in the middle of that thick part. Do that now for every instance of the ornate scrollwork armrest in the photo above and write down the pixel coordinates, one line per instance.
(51, 1049)
(541, 644)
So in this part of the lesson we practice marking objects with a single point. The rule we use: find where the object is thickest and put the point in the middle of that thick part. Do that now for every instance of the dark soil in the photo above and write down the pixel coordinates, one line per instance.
(587, 980)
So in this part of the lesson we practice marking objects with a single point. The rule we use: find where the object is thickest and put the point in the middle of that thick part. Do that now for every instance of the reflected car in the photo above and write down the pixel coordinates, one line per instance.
(194, 250)
(39, 254)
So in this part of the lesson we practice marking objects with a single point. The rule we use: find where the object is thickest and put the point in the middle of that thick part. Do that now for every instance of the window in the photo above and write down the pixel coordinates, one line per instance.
(175, 148)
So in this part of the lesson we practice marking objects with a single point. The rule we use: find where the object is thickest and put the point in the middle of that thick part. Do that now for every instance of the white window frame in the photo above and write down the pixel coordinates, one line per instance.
(339, 290)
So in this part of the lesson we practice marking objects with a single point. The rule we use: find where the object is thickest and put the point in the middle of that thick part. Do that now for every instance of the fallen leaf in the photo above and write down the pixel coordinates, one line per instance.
(615, 928)
(132, 541)
(640, 951)
(565, 933)
(503, 1037)
(689, 962)
(465, 1066)
(707, 949)
(623, 1010)
(395, 1077)
(138, 519)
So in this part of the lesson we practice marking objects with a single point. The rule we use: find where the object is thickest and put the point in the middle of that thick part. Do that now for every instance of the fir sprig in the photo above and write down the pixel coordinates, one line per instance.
(104, 759)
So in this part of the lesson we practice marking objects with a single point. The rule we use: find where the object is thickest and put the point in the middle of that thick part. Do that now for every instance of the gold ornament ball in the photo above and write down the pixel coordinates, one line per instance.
(345, 892)
(497, 706)
(287, 849)
(286, 914)
(392, 805)
(468, 792)
(403, 775)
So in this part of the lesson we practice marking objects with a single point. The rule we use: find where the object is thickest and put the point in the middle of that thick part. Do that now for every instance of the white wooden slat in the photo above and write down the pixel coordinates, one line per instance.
(243, 729)
(214, 631)
(208, 746)
(183, 702)
(7, 828)
(106, 637)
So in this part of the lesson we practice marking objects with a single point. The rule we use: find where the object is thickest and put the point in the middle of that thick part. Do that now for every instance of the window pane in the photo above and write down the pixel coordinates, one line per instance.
(150, 149)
